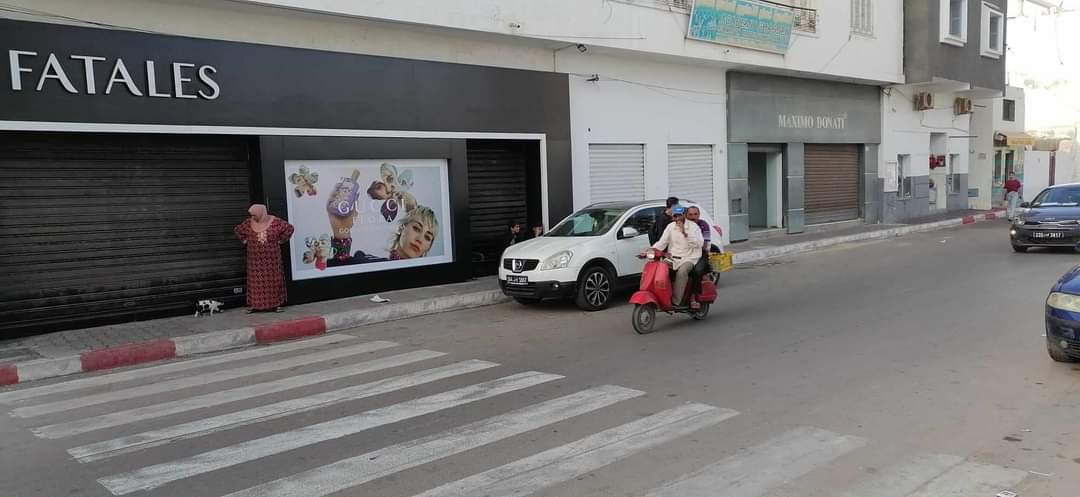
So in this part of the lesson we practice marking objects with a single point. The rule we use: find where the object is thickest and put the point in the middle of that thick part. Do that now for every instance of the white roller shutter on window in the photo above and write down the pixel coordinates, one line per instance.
(616, 172)
(690, 174)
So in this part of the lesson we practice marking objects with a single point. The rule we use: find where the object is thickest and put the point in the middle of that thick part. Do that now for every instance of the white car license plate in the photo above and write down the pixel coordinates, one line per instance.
(517, 280)
(1048, 234)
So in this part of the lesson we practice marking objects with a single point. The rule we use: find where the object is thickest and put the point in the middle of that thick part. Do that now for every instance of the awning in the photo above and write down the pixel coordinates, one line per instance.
(1015, 139)
(1047, 144)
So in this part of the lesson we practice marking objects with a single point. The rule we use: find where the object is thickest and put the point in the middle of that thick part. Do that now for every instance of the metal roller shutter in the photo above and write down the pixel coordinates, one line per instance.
(832, 183)
(690, 174)
(104, 228)
(616, 172)
(498, 193)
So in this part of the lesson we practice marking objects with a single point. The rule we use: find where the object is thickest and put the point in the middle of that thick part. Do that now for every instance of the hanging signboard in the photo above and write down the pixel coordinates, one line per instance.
(359, 216)
(753, 24)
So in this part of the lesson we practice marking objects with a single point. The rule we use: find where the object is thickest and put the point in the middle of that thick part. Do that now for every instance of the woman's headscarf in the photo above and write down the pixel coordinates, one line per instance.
(260, 218)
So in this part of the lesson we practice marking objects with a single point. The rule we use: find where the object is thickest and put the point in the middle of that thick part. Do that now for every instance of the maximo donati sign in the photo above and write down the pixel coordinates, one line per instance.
(795, 121)
(750, 24)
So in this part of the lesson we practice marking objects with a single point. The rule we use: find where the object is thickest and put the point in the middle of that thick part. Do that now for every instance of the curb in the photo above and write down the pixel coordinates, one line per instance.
(798, 248)
(216, 341)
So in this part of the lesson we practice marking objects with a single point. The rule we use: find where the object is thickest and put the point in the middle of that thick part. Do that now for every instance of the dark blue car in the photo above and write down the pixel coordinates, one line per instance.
(1063, 318)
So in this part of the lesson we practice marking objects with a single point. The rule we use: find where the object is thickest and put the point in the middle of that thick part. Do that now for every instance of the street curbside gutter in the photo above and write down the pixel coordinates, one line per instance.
(217, 341)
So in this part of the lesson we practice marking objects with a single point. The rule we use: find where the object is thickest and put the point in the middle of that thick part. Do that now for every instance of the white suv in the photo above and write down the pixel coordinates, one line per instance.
(587, 256)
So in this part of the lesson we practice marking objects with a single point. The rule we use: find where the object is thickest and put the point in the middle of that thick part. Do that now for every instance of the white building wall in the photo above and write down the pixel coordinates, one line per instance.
(666, 104)
(1036, 172)
(981, 157)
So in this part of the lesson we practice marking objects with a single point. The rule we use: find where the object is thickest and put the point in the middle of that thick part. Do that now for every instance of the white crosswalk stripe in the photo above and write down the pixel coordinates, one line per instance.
(526, 476)
(161, 474)
(206, 426)
(902, 479)
(172, 367)
(357, 470)
(70, 428)
(199, 380)
(762, 467)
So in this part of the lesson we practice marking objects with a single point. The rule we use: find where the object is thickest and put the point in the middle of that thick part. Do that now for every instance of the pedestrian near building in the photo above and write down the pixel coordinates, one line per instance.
(262, 235)
(664, 220)
(1013, 194)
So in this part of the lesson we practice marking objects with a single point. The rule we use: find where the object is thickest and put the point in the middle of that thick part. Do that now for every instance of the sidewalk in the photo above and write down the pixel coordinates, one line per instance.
(74, 351)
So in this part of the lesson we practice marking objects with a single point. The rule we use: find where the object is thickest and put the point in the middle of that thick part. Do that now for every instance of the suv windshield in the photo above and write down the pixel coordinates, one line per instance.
(1058, 197)
(587, 222)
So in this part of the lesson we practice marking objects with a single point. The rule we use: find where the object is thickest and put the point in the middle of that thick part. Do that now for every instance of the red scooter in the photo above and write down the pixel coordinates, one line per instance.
(655, 293)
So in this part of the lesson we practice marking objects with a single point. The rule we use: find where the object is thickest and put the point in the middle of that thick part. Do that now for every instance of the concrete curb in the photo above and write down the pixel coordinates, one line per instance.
(216, 341)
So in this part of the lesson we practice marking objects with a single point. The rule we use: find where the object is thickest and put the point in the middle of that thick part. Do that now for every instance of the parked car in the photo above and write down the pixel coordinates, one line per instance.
(1063, 318)
(587, 256)
(1052, 219)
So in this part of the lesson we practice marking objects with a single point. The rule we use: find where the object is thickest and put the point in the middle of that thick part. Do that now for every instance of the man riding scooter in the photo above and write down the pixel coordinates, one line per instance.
(683, 241)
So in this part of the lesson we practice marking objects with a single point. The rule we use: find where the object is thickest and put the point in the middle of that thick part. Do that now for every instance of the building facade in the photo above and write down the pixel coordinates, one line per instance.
(498, 111)
(937, 146)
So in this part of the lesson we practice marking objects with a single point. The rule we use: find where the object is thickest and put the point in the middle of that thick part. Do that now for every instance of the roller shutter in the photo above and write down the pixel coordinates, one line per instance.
(690, 174)
(106, 228)
(832, 183)
(616, 172)
(498, 193)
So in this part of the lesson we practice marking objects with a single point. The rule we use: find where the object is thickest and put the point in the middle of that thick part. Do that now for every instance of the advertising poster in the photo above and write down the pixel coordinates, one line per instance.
(742, 23)
(360, 216)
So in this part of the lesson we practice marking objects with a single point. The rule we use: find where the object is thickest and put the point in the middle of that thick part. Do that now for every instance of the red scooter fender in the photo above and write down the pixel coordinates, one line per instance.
(644, 298)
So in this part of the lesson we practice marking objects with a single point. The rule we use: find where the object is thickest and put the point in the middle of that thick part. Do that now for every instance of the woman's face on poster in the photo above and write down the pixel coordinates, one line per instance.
(416, 240)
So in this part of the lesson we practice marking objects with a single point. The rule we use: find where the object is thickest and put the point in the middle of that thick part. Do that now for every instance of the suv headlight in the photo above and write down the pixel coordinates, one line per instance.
(1064, 301)
(558, 261)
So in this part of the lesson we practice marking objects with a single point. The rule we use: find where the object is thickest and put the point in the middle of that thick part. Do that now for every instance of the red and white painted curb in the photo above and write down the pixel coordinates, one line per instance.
(216, 341)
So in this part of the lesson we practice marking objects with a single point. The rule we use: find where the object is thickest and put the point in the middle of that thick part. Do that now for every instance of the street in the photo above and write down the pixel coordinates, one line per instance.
(907, 367)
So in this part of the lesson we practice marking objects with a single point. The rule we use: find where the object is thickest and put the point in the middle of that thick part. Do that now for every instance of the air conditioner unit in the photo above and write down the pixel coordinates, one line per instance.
(964, 106)
(924, 101)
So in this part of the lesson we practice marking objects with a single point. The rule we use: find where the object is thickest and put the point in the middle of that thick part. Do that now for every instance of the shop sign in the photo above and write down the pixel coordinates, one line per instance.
(360, 216)
(795, 121)
(91, 74)
(750, 24)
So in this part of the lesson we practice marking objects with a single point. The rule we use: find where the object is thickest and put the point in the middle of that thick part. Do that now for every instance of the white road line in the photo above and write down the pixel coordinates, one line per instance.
(172, 367)
(358, 470)
(85, 425)
(762, 467)
(203, 427)
(199, 380)
(902, 479)
(972, 478)
(161, 474)
(563, 463)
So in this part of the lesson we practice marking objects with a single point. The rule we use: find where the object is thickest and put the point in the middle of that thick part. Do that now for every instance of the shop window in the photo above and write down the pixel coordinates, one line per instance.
(953, 180)
(1008, 110)
(998, 171)
(862, 17)
(993, 31)
(903, 181)
(954, 24)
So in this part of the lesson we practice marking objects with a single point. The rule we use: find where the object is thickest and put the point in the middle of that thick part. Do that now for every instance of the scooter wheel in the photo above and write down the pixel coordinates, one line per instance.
(700, 314)
(644, 318)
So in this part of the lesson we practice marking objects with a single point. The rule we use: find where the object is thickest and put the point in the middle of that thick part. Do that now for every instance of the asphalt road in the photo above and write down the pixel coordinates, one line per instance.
(909, 367)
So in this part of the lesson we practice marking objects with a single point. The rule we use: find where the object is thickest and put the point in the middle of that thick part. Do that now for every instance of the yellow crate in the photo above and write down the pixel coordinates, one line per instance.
(720, 262)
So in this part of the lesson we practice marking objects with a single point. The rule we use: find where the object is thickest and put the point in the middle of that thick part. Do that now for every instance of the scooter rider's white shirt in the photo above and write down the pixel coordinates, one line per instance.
(685, 248)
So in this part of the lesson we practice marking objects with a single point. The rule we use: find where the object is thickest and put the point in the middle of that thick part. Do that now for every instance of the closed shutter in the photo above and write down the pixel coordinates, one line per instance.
(616, 172)
(832, 183)
(690, 174)
(104, 228)
(497, 194)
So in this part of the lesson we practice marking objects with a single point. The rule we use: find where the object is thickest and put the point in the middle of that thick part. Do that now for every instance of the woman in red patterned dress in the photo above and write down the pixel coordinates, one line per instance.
(262, 235)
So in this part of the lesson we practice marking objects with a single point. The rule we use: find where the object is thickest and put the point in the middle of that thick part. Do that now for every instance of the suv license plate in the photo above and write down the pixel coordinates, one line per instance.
(1048, 234)
(517, 280)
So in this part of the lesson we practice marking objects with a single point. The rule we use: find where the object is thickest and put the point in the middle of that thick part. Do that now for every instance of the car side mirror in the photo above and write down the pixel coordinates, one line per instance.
(628, 232)
(1025, 205)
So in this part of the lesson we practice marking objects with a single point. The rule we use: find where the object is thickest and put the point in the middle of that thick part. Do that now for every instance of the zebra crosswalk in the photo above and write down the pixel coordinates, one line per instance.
(349, 388)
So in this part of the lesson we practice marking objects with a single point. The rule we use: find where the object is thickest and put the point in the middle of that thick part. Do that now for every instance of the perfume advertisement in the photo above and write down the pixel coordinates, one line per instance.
(359, 216)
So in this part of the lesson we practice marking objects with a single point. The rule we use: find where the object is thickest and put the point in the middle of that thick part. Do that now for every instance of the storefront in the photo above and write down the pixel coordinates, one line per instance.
(1008, 160)
(800, 152)
(129, 157)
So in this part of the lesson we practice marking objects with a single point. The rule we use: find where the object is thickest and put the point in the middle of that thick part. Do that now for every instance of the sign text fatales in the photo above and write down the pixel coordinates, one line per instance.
(92, 75)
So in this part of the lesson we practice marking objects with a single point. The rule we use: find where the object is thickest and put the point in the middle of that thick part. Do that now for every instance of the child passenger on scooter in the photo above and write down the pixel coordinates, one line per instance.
(683, 242)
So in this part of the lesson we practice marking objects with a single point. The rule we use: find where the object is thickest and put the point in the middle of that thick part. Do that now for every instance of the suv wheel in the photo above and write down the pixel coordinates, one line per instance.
(595, 288)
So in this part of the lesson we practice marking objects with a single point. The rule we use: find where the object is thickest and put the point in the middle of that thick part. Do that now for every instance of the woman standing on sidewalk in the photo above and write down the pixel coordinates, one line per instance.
(262, 236)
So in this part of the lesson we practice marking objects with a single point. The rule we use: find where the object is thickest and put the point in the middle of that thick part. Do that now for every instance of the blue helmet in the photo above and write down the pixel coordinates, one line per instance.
(678, 210)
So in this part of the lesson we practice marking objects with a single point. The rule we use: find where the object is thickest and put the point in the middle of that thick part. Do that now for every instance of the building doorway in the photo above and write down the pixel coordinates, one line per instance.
(765, 178)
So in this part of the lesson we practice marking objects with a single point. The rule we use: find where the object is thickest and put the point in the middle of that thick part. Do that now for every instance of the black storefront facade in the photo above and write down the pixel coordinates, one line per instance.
(129, 157)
